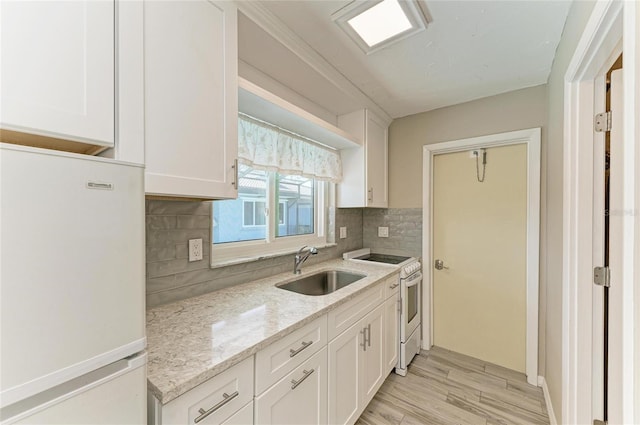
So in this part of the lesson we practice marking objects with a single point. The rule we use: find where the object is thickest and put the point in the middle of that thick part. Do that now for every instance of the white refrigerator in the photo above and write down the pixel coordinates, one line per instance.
(72, 273)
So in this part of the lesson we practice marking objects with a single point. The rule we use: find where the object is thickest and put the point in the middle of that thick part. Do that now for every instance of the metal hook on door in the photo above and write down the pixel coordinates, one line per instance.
(440, 265)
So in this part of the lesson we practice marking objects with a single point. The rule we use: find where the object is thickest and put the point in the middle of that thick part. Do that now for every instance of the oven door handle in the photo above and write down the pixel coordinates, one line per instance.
(415, 279)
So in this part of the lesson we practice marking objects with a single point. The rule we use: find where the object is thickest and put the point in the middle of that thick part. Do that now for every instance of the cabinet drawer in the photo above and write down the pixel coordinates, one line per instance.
(350, 312)
(278, 359)
(298, 398)
(236, 383)
(391, 285)
(243, 417)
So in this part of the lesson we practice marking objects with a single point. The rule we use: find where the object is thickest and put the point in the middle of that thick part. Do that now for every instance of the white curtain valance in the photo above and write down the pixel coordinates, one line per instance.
(264, 147)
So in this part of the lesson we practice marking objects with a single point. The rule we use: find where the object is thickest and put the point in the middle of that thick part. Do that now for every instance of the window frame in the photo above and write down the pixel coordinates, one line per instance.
(271, 246)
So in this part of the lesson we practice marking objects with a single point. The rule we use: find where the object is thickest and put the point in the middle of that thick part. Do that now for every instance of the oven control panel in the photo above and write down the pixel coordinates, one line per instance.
(410, 269)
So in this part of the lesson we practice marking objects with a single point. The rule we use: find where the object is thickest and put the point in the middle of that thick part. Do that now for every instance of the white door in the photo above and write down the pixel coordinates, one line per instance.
(344, 375)
(392, 330)
(58, 69)
(372, 363)
(299, 398)
(479, 234)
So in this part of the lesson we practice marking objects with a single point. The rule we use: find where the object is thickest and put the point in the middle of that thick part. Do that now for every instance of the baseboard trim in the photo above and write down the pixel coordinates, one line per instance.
(547, 399)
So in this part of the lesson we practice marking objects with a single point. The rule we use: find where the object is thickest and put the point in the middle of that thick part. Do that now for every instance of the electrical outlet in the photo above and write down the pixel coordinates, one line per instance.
(383, 232)
(195, 249)
(343, 232)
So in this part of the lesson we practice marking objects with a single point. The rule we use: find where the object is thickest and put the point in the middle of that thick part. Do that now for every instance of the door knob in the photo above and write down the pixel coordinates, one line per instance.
(440, 265)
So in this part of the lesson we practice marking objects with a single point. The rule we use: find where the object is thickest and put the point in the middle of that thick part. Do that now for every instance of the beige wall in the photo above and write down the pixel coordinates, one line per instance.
(515, 110)
(540, 106)
(578, 16)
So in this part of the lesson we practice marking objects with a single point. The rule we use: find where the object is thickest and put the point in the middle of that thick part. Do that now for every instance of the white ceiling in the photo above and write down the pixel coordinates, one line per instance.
(471, 49)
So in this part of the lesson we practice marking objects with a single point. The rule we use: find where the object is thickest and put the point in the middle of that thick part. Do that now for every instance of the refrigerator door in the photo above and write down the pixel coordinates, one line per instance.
(114, 394)
(71, 267)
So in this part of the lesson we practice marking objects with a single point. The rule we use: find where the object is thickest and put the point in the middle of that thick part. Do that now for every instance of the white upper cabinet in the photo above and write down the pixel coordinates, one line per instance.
(191, 98)
(364, 169)
(57, 72)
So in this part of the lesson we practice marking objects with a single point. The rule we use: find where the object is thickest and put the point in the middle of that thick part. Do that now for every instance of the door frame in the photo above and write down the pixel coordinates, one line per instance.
(610, 22)
(530, 137)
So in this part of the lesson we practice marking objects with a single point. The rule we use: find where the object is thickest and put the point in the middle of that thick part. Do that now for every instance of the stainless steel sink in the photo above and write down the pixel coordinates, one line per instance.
(322, 283)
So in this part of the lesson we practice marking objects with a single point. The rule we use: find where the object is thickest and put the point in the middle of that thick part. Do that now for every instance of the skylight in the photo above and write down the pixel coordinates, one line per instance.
(381, 22)
(374, 25)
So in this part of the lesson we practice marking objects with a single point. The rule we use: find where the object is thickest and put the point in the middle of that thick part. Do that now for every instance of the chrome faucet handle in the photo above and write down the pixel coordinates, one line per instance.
(301, 258)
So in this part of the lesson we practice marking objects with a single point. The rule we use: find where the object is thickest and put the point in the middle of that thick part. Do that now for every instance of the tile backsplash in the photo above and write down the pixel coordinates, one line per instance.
(405, 230)
(171, 277)
(170, 224)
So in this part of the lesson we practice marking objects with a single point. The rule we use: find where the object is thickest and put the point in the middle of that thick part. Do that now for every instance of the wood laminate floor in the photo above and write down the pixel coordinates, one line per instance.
(447, 388)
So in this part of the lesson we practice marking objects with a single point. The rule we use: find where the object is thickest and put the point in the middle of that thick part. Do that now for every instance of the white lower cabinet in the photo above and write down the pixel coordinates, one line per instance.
(299, 398)
(301, 379)
(356, 367)
(373, 365)
(344, 375)
(243, 416)
(392, 330)
(215, 401)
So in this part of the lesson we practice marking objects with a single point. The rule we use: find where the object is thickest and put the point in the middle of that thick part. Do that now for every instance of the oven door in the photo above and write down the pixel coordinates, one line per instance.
(411, 301)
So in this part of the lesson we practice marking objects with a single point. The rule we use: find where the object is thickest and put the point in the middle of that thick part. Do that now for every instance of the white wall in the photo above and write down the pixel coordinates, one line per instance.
(578, 16)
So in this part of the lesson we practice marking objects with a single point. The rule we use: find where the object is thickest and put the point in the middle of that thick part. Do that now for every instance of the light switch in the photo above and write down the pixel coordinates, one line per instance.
(343, 232)
(383, 232)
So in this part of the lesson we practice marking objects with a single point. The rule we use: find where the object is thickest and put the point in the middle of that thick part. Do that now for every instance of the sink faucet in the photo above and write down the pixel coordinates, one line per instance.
(301, 258)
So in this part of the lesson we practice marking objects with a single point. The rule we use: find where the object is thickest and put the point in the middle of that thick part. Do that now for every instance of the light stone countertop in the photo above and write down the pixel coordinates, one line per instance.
(193, 340)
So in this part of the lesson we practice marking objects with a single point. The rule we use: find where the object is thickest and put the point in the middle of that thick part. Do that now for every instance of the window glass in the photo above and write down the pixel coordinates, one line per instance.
(244, 218)
(295, 197)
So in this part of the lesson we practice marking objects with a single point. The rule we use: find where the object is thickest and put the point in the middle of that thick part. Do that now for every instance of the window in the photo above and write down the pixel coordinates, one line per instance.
(254, 213)
(284, 187)
(247, 224)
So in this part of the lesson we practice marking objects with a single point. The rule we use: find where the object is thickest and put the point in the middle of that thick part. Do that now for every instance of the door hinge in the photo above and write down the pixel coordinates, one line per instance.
(602, 276)
(603, 122)
(599, 422)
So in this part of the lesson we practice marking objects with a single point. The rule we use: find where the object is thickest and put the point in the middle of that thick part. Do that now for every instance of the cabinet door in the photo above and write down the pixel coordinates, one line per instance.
(376, 162)
(345, 354)
(58, 70)
(243, 417)
(299, 398)
(364, 170)
(372, 363)
(392, 331)
(191, 98)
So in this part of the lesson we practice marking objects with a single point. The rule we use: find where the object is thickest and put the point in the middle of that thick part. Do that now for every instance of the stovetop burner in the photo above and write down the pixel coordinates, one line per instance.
(382, 258)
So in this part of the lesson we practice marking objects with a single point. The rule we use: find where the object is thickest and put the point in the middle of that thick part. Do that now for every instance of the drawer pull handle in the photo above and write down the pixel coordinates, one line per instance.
(305, 375)
(369, 334)
(293, 353)
(394, 286)
(204, 413)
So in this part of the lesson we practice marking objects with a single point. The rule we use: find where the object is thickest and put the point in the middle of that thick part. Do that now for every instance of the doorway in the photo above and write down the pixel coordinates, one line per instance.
(529, 140)
(603, 40)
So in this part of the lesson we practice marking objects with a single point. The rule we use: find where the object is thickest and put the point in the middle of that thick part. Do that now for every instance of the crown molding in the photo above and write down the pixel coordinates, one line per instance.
(269, 22)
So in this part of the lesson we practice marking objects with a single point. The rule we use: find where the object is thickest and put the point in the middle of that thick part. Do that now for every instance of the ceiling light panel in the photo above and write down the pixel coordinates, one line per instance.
(381, 22)
(373, 25)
